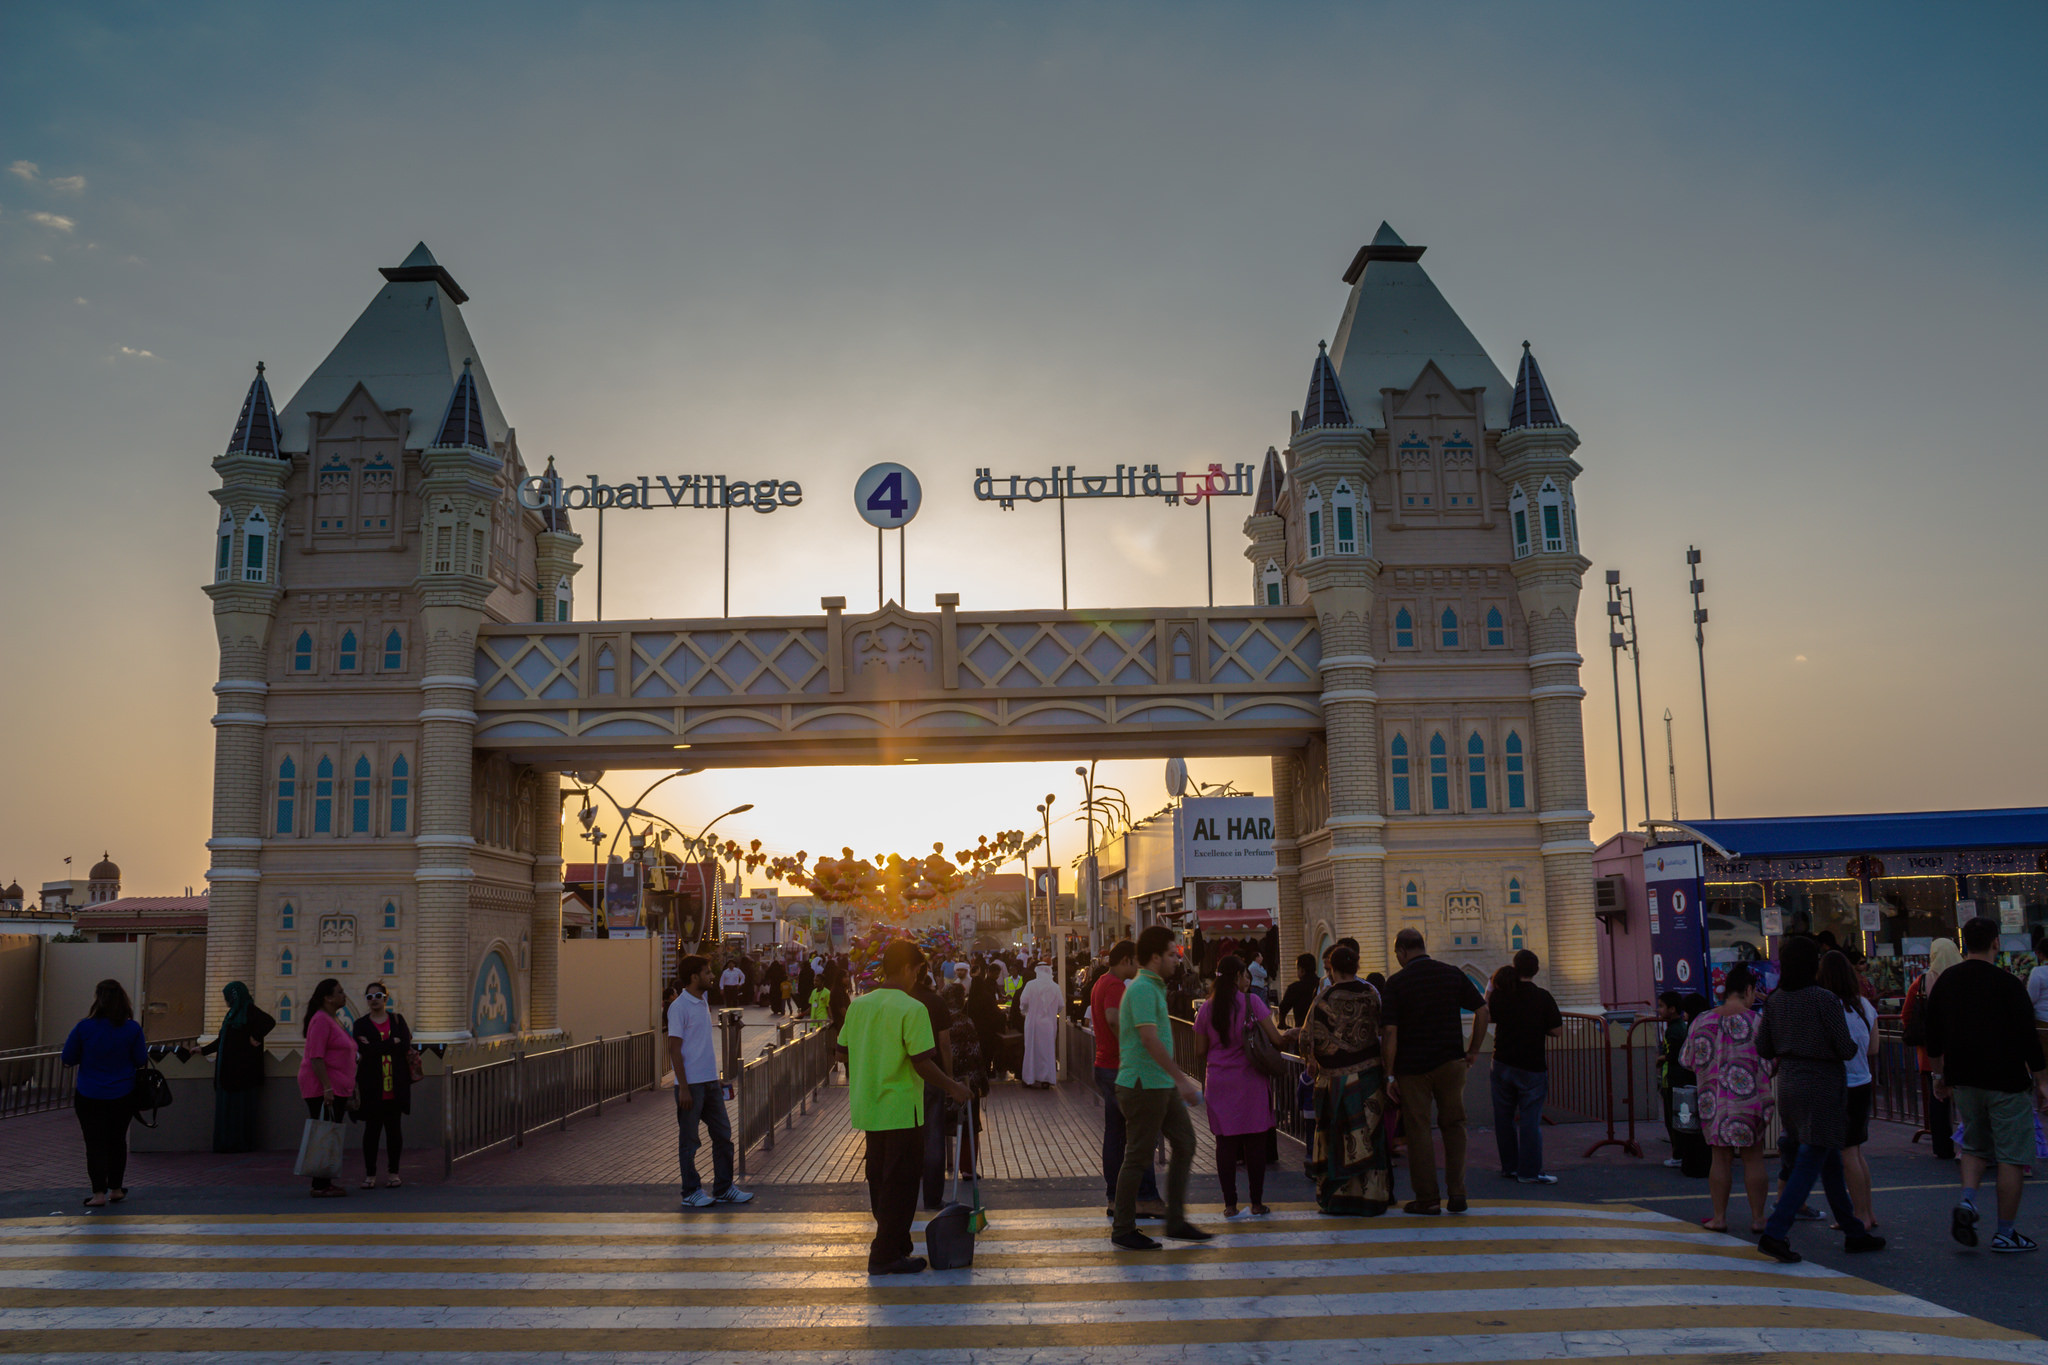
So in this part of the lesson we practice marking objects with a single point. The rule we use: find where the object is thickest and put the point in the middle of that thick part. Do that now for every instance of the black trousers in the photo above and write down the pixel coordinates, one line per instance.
(105, 1125)
(895, 1168)
(379, 1118)
(1250, 1148)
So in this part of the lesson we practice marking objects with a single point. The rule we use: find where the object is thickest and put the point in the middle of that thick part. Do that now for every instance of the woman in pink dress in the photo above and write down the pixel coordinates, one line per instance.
(1240, 1096)
(327, 1071)
(1734, 1095)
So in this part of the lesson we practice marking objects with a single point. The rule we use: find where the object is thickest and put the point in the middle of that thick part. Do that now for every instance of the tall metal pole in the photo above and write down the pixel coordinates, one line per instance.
(1671, 763)
(728, 559)
(902, 573)
(1087, 776)
(600, 561)
(1615, 640)
(1209, 544)
(878, 568)
(1063, 547)
(1699, 636)
(1635, 650)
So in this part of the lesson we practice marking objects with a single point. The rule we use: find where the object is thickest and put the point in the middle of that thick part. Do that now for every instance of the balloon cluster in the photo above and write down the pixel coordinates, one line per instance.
(890, 886)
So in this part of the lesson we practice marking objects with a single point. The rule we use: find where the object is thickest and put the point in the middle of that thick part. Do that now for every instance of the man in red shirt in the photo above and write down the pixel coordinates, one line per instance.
(1102, 1006)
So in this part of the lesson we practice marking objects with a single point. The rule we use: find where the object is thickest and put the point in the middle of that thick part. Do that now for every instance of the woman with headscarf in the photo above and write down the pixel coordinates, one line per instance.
(237, 1052)
(1039, 1002)
(1350, 1161)
(1913, 1029)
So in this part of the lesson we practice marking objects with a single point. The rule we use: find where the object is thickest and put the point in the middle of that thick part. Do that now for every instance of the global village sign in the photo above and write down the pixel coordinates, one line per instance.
(701, 491)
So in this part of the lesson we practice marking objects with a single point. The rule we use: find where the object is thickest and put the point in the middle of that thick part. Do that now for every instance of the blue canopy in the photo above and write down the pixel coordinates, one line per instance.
(1834, 835)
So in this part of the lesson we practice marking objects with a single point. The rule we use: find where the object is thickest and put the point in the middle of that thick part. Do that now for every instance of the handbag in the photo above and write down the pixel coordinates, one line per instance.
(151, 1091)
(320, 1148)
(1685, 1109)
(415, 1068)
(1265, 1057)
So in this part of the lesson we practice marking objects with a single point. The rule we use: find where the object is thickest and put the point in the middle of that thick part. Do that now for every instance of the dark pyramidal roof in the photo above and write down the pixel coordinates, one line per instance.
(256, 429)
(1532, 406)
(1272, 478)
(1325, 406)
(463, 422)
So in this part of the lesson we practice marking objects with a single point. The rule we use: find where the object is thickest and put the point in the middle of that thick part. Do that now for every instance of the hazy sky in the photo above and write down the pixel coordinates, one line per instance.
(1783, 266)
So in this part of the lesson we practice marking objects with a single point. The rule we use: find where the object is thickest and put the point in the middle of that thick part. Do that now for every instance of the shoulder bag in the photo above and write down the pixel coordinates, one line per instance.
(151, 1092)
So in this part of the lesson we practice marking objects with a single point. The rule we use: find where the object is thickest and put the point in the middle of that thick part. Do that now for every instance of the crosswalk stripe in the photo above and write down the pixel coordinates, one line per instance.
(1600, 1283)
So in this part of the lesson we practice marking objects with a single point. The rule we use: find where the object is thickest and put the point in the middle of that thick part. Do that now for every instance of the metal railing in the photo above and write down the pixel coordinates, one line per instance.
(498, 1103)
(776, 1087)
(1584, 1079)
(35, 1080)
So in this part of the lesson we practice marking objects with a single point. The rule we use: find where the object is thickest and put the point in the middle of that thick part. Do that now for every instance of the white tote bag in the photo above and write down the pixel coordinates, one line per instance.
(320, 1147)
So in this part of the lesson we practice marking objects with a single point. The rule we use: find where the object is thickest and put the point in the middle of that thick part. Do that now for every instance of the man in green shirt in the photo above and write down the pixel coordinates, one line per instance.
(1154, 1094)
(886, 1043)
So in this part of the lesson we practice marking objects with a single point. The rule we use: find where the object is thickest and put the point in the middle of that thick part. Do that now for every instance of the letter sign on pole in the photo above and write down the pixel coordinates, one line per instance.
(887, 496)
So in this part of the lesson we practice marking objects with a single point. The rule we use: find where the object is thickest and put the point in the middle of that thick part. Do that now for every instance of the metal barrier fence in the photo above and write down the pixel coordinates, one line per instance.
(35, 1080)
(777, 1086)
(498, 1103)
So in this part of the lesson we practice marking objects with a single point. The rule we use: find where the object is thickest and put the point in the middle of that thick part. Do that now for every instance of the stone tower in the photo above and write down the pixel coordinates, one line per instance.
(367, 530)
(1424, 508)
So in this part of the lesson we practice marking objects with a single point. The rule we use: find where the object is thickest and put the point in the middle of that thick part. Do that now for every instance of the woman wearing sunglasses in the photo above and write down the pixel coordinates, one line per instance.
(384, 1062)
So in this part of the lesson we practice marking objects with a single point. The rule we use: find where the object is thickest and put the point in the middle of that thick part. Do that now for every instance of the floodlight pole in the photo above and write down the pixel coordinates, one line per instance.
(1614, 644)
(1699, 636)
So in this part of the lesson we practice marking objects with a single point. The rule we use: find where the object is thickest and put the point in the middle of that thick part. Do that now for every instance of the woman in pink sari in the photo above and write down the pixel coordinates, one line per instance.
(1734, 1096)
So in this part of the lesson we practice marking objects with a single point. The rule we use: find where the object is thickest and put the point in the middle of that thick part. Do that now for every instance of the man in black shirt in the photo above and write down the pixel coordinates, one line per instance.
(1987, 1054)
(1426, 1056)
(1300, 994)
(1524, 1016)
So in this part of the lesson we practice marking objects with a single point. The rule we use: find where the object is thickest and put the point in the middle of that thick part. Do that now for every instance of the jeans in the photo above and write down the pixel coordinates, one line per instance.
(1113, 1141)
(707, 1103)
(1149, 1115)
(105, 1126)
(1442, 1089)
(1811, 1161)
(1518, 1097)
(895, 1165)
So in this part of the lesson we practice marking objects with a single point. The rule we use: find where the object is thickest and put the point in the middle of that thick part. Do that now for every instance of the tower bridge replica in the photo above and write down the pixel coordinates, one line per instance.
(403, 680)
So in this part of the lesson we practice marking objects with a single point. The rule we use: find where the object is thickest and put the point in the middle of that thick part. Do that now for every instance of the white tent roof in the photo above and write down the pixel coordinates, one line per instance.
(1395, 322)
(407, 349)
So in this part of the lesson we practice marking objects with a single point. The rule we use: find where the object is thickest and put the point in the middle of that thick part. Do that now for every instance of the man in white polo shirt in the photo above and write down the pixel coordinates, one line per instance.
(693, 1054)
(732, 984)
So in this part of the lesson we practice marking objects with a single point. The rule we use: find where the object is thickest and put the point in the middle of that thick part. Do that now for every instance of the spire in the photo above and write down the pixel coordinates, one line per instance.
(553, 518)
(1386, 245)
(1272, 478)
(256, 428)
(463, 423)
(1325, 406)
(1532, 405)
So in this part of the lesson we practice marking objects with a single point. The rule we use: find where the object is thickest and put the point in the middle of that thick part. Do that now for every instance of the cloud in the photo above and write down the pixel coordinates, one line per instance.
(68, 184)
(53, 220)
(1798, 658)
(31, 172)
(27, 170)
(139, 355)
(81, 303)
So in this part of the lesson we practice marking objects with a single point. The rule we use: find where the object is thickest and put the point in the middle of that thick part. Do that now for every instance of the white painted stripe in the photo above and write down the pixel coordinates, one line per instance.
(1061, 1246)
(112, 1316)
(1596, 1264)
(1774, 1343)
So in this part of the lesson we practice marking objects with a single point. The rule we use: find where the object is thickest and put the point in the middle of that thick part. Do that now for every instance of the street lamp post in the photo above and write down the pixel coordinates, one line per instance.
(1045, 816)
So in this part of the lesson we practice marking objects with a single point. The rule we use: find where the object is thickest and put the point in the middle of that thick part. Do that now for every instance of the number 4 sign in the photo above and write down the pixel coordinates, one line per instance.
(887, 495)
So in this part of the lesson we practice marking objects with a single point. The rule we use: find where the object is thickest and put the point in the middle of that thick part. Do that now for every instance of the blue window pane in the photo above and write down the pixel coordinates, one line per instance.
(1315, 534)
(1439, 773)
(348, 651)
(284, 1009)
(323, 796)
(394, 653)
(1475, 772)
(302, 653)
(359, 798)
(1450, 627)
(284, 963)
(390, 915)
(287, 788)
(1400, 765)
(1404, 630)
(1496, 629)
(1517, 789)
(1514, 891)
(1411, 898)
(401, 788)
(390, 962)
(284, 916)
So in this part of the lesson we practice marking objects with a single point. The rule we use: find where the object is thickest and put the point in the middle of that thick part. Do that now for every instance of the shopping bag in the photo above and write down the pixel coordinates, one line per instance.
(1685, 1108)
(320, 1148)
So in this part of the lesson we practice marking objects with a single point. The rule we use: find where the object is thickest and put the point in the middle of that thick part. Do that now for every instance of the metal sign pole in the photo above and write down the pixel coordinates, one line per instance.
(1063, 548)
(728, 559)
(878, 568)
(600, 561)
(902, 572)
(1209, 545)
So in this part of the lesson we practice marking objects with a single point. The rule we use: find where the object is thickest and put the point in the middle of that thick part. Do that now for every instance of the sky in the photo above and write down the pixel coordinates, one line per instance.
(1781, 264)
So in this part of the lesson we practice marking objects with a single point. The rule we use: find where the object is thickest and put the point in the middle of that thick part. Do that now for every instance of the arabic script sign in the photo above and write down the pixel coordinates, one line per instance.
(1129, 481)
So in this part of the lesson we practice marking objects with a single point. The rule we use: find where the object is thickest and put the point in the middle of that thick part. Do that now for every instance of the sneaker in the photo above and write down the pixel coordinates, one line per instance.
(1962, 1224)
(699, 1198)
(733, 1194)
(1778, 1250)
(1864, 1242)
(1188, 1232)
(2014, 1241)
(1233, 1211)
(1809, 1214)
(909, 1265)
(1537, 1179)
(1673, 1163)
(1136, 1241)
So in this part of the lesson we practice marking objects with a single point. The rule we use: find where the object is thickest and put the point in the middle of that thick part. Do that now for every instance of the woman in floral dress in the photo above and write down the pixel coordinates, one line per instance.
(1734, 1095)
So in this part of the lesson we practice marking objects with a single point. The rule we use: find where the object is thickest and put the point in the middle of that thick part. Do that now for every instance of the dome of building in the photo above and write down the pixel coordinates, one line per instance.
(105, 870)
(12, 893)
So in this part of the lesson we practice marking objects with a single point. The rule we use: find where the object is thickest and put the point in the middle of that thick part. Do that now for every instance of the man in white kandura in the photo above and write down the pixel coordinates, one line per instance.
(1040, 1005)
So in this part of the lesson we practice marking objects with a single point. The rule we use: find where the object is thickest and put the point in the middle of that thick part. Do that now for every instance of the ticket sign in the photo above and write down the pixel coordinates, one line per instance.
(1678, 922)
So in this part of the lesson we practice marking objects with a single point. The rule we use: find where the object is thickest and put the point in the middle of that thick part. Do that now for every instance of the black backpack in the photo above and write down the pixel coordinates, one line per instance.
(151, 1092)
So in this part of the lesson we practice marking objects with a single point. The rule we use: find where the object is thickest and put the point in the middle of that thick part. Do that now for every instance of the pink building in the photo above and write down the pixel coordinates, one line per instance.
(1625, 979)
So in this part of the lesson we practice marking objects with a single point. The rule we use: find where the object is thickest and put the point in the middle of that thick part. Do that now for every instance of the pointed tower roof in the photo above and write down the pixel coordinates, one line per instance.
(1532, 406)
(256, 429)
(1272, 478)
(462, 424)
(1396, 321)
(1325, 405)
(407, 348)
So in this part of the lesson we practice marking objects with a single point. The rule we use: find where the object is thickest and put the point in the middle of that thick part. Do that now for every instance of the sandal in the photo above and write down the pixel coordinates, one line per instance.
(392, 1182)
(1711, 1226)
(96, 1201)
(369, 1182)
(116, 1196)
(1260, 1210)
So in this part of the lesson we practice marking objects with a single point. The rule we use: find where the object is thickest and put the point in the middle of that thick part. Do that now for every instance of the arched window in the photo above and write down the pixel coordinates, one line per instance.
(255, 548)
(401, 789)
(284, 1009)
(1551, 503)
(302, 653)
(323, 796)
(1411, 898)
(390, 914)
(346, 659)
(607, 670)
(1515, 937)
(287, 789)
(1183, 657)
(1345, 506)
(1449, 626)
(1439, 773)
(394, 652)
(359, 797)
(1400, 764)
(224, 550)
(562, 598)
(287, 916)
(1475, 771)
(1271, 584)
(1313, 508)
(284, 962)
(1518, 518)
(1514, 891)
(1496, 629)
(1404, 630)
(391, 962)
(1518, 794)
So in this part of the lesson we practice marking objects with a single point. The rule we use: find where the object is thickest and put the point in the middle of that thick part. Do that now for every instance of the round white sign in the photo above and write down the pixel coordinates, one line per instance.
(887, 495)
